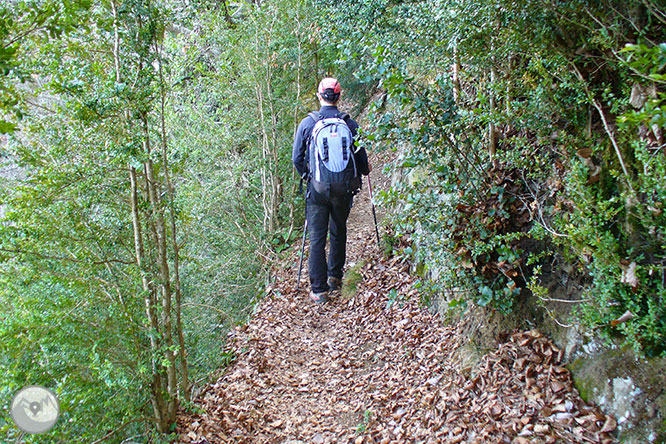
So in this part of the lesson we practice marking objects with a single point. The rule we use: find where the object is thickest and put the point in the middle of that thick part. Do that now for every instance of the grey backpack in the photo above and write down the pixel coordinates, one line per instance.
(331, 159)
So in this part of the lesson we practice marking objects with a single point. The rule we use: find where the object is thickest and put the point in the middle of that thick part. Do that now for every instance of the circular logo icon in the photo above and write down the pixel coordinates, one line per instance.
(35, 409)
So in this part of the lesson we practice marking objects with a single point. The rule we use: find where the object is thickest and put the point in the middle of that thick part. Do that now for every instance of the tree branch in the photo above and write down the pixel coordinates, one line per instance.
(193, 304)
(656, 13)
(65, 258)
(610, 134)
(119, 428)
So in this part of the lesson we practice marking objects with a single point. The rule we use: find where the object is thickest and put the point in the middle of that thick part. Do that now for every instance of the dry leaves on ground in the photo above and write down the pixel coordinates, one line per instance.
(380, 368)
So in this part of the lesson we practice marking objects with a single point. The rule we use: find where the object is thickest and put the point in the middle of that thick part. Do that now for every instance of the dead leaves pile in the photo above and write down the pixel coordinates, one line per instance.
(521, 394)
(379, 368)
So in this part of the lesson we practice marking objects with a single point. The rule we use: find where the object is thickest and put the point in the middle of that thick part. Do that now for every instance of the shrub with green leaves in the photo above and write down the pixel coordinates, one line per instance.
(525, 130)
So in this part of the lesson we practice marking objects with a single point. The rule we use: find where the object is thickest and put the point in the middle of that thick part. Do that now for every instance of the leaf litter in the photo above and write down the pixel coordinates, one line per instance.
(380, 368)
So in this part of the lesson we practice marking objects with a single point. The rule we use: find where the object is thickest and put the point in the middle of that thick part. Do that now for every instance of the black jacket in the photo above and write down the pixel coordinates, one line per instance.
(300, 156)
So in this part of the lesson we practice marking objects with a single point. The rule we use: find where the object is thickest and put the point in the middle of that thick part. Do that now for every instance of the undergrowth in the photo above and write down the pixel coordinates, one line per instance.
(539, 146)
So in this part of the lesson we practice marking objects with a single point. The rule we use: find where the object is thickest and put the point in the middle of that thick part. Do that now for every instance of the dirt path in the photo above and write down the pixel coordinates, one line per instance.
(379, 368)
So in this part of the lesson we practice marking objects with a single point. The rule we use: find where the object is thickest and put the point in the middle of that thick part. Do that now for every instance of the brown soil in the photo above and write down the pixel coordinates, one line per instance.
(379, 367)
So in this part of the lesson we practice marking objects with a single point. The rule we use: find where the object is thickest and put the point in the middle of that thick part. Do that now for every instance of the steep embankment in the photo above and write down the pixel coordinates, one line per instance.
(379, 367)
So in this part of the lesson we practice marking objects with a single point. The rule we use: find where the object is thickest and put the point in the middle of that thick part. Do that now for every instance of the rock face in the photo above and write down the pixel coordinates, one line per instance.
(630, 388)
(624, 386)
(633, 390)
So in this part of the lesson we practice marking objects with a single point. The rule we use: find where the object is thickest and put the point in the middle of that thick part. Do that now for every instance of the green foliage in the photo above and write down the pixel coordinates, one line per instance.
(527, 158)
(221, 89)
(22, 25)
(572, 92)
(240, 88)
(647, 60)
(365, 422)
(77, 321)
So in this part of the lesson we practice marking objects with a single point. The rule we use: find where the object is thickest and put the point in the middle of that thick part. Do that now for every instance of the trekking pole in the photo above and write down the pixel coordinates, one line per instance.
(300, 263)
(374, 214)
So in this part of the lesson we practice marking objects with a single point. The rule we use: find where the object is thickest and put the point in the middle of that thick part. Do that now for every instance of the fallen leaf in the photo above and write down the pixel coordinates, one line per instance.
(584, 153)
(629, 275)
(541, 428)
(609, 426)
(557, 386)
(627, 316)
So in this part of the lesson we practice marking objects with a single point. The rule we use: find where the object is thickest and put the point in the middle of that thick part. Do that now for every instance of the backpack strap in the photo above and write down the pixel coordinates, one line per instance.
(347, 119)
(316, 116)
(325, 143)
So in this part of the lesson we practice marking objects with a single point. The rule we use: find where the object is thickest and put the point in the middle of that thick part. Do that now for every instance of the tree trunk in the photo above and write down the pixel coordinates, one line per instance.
(150, 301)
(297, 102)
(507, 98)
(268, 141)
(150, 296)
(157, 213)
(456, 76)
(492, 131)
(185, 384)
(274, 162)
(264, 159)
(151, 258)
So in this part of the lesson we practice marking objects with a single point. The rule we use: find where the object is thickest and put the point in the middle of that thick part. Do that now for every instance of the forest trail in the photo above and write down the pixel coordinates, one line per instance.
(380, 368)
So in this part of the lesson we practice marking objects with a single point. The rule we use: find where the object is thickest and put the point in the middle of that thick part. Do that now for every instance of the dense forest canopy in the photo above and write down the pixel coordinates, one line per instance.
(147, 182)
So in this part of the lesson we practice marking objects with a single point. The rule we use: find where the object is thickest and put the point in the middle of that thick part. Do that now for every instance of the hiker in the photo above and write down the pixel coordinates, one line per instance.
(322, 147)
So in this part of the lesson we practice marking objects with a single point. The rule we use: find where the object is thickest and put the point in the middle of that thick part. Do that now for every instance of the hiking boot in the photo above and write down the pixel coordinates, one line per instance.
(334, 283)
(318, 298)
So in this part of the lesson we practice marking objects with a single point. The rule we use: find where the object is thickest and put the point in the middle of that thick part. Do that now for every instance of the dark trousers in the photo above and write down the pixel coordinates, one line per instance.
(326, 214)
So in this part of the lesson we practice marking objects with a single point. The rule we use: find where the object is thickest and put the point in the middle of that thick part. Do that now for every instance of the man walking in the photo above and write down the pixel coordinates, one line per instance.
(326, 154)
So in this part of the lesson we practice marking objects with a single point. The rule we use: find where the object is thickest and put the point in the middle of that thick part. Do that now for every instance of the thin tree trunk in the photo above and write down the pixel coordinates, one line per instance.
(157, 212)
(492, 131)
(456, 76)
(185, 384)
(149, 301)
(264, 158)
(165, 284)
(294, 179)
(270, 152)
(274, 164)
(150, 298)
(507, 98)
